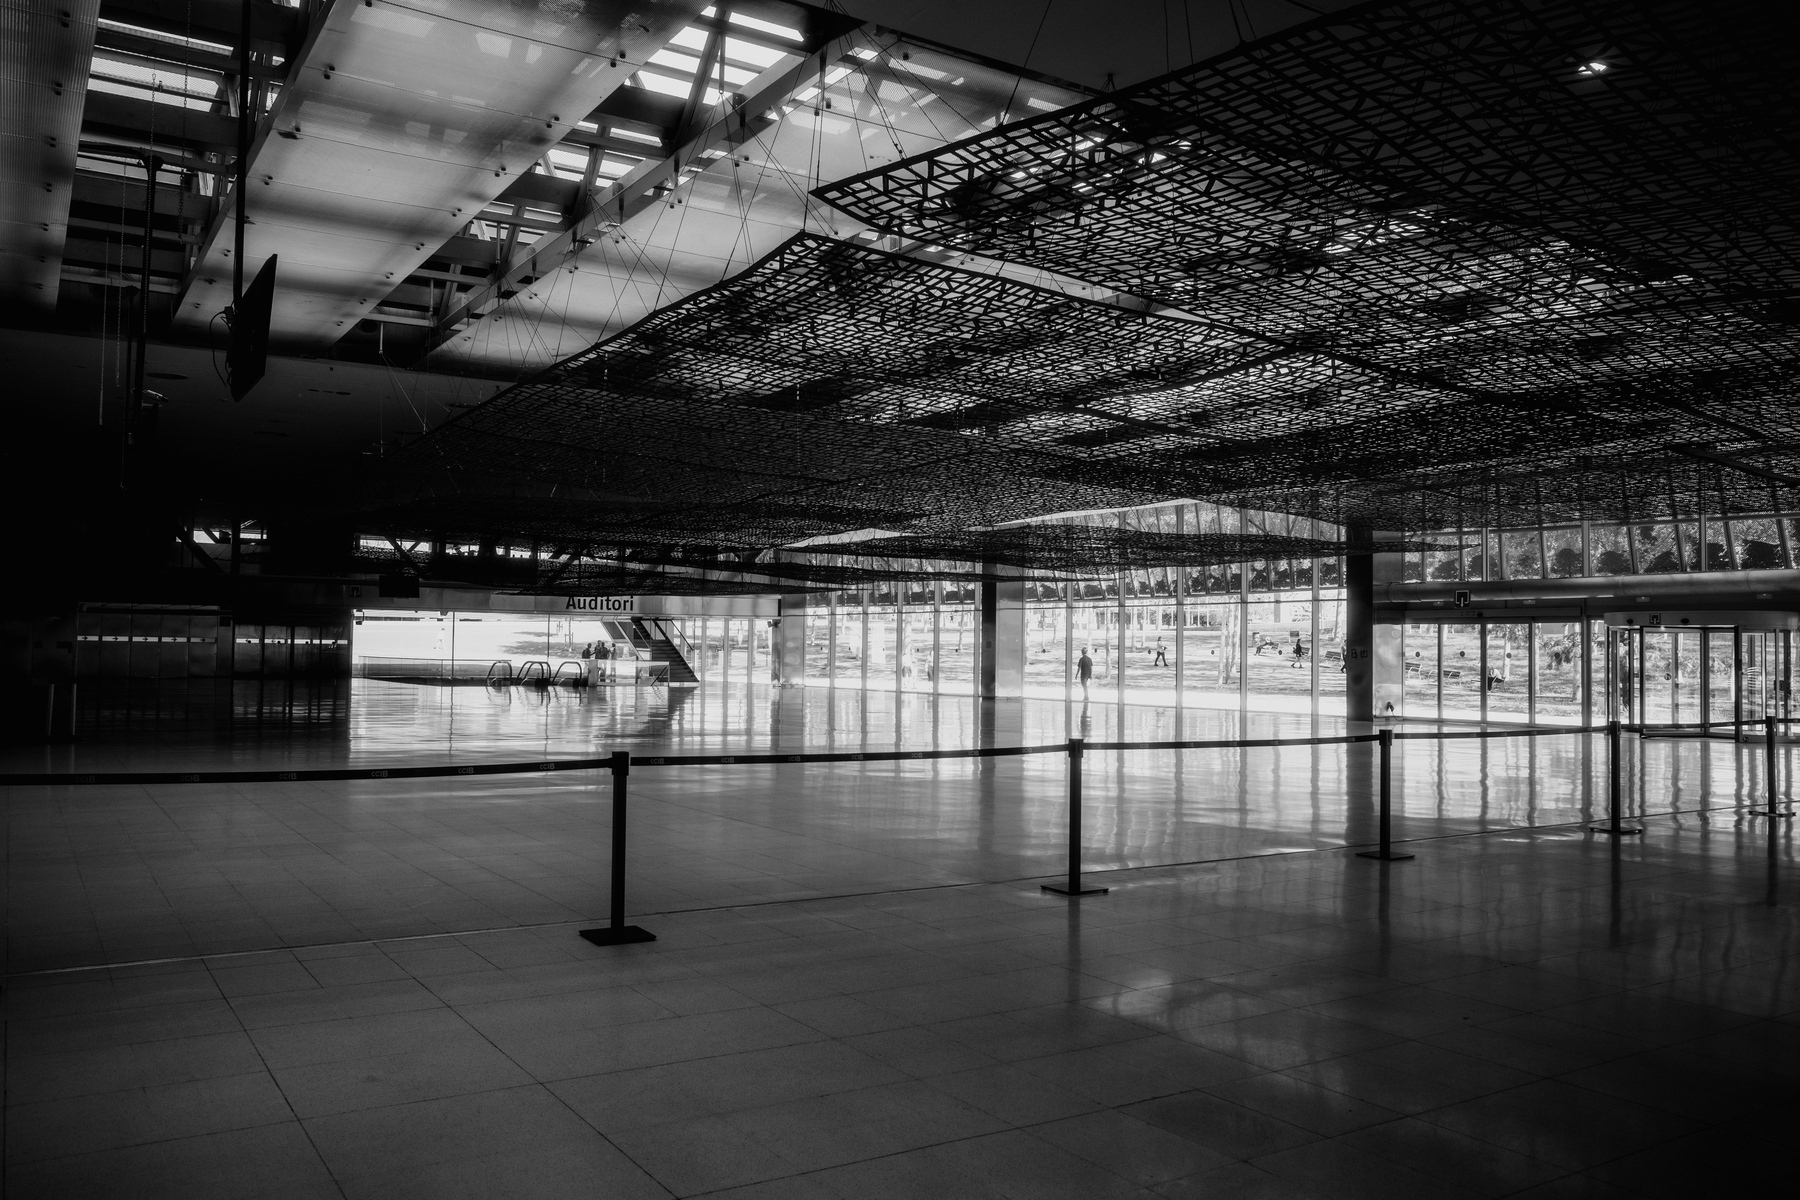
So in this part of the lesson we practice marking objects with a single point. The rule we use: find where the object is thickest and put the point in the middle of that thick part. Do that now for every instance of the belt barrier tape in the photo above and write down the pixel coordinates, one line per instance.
(605, 762)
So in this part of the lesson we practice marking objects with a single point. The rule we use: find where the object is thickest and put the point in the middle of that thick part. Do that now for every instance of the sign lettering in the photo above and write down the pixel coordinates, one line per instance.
(623, 604)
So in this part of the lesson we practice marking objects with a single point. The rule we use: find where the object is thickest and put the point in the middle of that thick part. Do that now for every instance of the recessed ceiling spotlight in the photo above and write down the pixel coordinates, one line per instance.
(1596, 67)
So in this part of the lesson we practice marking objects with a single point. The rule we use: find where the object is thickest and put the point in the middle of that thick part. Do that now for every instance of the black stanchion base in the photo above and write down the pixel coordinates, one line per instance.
(621, 936)
(1063, 889)
(1621, 831)
(1389, 856)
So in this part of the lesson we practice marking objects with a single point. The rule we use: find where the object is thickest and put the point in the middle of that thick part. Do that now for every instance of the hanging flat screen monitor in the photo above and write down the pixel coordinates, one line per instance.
(249, 352)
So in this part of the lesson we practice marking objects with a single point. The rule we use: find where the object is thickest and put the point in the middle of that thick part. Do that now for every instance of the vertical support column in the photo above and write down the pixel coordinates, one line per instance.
(1373, 670)
(1243, 628)
(1737, 680)
(1180, 614)
(1440, 670)
(831, 642)
(1705, 680)
(1531, 670)
(1068, 639)
(1587, 670)
(1002, 643)
(863, 658)
(1312, 645)
(937, 641)
(1481, 632)
(899, 641)
(787, 650)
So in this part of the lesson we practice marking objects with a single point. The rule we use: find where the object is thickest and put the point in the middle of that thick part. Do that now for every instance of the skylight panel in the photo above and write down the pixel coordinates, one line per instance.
(786, 32)
(156, 75)
(749, 52)
(173, 39)
(100, 83)
(675, 60)
(662, 83)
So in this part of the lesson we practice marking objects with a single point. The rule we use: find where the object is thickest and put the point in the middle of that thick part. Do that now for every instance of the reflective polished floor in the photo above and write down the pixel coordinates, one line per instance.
(375, 989)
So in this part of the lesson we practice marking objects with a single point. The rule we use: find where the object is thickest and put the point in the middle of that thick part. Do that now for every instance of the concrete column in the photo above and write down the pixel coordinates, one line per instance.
(787, 642)
(1002, 665)
(1372, 653)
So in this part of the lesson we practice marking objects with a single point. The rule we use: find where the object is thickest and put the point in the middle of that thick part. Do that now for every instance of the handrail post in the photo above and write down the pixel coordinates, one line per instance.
(1386, 853)
(1769, 771)
(1073, 885)
(617, 932)
(1615, 805)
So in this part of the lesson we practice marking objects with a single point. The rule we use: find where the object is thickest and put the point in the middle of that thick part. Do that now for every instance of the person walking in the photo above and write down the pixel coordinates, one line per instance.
(1162, 657)
(1084, 671)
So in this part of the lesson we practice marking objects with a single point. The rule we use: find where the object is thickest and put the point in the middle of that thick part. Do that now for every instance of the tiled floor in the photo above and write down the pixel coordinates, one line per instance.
(1526, 1011)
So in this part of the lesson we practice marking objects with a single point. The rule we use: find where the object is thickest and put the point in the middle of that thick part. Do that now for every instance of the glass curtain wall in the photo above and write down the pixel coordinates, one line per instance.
(1269, 634)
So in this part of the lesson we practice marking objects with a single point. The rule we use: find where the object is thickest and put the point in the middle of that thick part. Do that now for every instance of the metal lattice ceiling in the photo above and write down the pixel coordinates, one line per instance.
(1569, 223)
(1420, 265)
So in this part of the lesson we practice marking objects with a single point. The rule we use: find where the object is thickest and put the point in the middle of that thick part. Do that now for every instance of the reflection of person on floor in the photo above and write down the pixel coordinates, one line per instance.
(1084, 671)
(1162, 659)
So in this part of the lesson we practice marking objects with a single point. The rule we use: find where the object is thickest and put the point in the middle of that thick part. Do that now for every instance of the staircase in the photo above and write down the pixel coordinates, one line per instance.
(653, 638)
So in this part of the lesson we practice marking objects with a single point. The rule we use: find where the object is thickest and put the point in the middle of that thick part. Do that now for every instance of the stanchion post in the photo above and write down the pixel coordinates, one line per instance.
(1073, 885)
(1615, 805)
(616, 932)
(1386, 853)
(1769, 779)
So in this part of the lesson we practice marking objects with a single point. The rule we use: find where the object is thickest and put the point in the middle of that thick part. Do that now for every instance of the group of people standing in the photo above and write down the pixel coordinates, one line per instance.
(597, 658)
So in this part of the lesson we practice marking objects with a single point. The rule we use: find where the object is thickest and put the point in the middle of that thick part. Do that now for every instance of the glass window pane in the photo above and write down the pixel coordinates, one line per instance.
(1564, 547)
(1559, 683)
(1461, 666)
(958, 638)
(1045, 641)
(1655, 543)
(1419, 656)
(882, 646)
(1210, 646)
(1607, 545)
(1331, 651)
(1509, 679)
(1280, 630)
(1758, 544)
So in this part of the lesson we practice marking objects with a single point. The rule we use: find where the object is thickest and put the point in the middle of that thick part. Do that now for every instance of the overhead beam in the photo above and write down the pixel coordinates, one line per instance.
(613, 205)
(1712, 456)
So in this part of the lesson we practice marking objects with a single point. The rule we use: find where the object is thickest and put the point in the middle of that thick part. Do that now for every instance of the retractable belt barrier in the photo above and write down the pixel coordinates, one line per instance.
(617, 932)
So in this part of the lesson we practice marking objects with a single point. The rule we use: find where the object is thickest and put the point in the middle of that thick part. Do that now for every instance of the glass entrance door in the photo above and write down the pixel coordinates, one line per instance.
(1700, 677)
(1765, 663)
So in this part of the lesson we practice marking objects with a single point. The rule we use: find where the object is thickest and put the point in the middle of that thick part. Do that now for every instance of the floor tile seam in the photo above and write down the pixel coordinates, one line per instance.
(55, 1158)
(739, 906)
(250, 1037)
(974, 1137)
